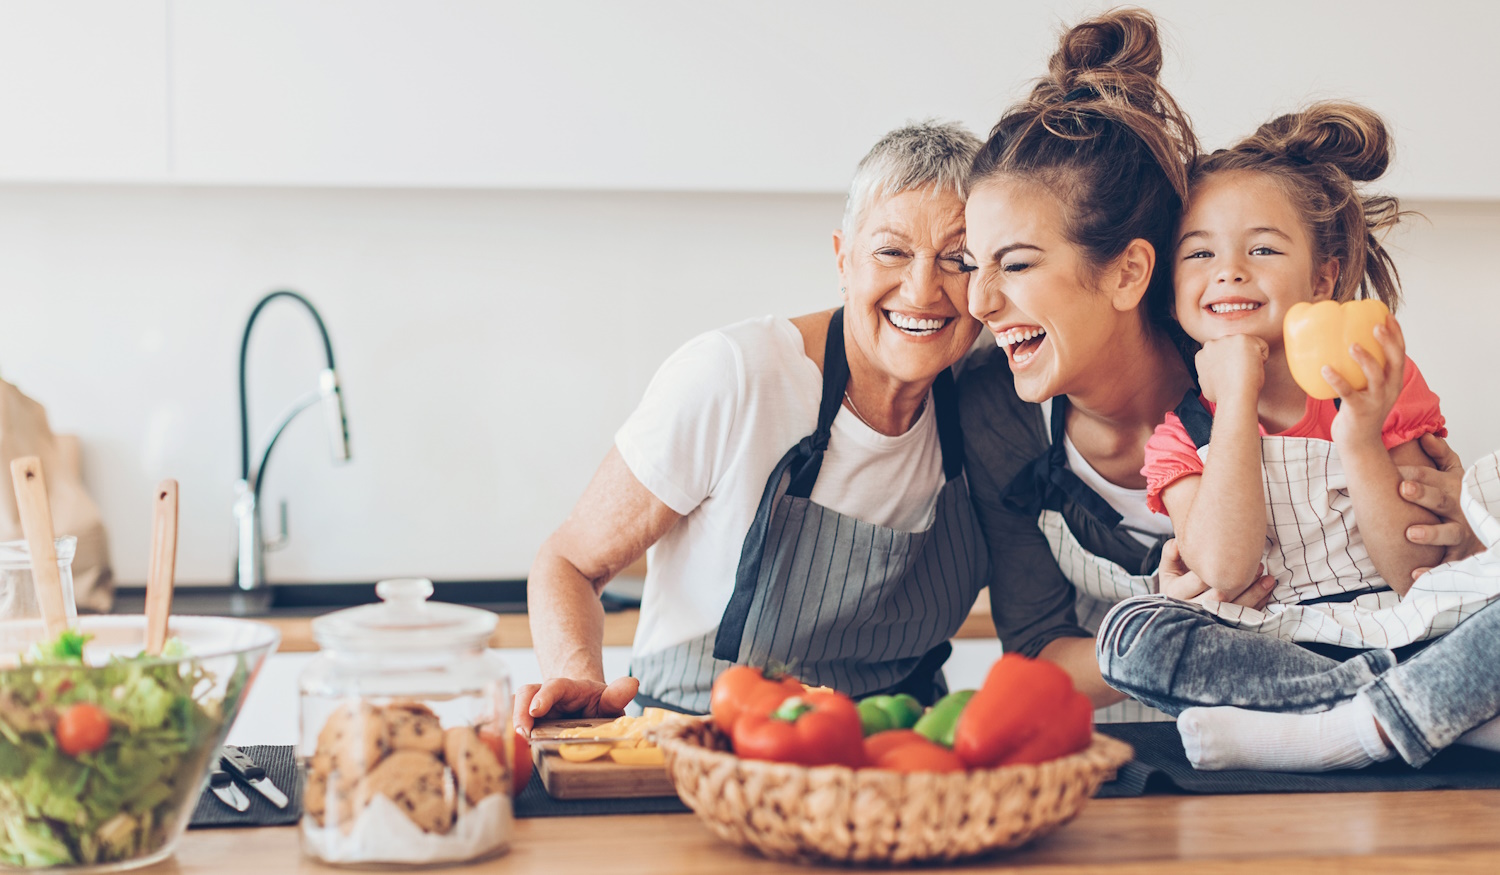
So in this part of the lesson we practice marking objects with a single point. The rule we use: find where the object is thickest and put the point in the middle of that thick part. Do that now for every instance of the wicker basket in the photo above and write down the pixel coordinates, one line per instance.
(841, 815)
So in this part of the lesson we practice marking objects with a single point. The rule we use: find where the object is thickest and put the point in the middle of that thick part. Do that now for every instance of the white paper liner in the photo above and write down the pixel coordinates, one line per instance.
(384, 834)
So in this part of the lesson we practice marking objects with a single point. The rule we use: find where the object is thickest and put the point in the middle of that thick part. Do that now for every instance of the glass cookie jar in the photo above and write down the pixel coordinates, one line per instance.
(405, 735)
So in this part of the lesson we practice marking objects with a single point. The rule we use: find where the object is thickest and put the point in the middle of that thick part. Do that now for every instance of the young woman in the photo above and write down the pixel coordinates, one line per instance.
(1072, 206)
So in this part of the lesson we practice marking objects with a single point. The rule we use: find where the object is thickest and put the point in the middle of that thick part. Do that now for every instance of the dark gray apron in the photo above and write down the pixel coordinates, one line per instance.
(837, 601)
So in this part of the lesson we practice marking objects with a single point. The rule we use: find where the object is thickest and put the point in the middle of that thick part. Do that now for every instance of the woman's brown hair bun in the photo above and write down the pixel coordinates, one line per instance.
(1116, 56)
(1318, 155)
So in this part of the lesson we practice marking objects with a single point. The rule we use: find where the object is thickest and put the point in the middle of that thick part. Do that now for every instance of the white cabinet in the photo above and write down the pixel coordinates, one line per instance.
(83, 91)
(575, 95)
(777, 95)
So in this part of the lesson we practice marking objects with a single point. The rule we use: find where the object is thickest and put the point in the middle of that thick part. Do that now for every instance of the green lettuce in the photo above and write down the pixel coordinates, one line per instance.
(122, 800)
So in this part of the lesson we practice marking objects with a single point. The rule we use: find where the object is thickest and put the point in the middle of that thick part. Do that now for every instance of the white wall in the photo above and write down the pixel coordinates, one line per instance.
(489, 342)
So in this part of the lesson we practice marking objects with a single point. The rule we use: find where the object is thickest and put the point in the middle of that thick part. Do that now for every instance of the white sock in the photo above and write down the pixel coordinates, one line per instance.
(1485, 735)
(1345, 737)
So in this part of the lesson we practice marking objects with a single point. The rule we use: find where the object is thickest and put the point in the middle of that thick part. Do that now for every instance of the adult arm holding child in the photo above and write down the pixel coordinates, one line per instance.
(1436, 487)
(1374, 479)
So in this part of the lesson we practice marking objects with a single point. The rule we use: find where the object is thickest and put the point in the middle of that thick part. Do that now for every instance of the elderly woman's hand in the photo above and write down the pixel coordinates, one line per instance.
(1180, 582)
(566, 697)
(1437, 490)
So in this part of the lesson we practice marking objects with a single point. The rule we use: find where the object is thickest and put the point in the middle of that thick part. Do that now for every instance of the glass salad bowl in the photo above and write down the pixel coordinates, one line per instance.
(103, 751)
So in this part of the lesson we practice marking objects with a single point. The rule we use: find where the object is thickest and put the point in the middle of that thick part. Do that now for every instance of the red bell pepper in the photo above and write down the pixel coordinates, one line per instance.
(813, 729)
(902, 750)
(1026, 712)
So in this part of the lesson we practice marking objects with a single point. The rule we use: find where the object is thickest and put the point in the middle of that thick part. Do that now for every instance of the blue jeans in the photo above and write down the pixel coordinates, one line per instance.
(1175, 655)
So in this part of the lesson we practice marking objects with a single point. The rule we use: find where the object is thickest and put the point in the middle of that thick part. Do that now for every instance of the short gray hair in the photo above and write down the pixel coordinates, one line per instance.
(925, 153)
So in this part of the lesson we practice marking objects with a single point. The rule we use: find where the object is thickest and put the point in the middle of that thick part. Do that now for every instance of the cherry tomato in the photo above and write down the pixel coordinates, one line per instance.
(82, 728)
(517, 758)
(742, 689)
(902, 750)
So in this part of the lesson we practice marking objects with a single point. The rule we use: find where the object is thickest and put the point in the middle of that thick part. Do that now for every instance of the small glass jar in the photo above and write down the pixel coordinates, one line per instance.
(18, 590)
(405, 736)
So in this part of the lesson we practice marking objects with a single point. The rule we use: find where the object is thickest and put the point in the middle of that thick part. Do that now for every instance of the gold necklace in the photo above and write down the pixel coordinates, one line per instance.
(921, 407)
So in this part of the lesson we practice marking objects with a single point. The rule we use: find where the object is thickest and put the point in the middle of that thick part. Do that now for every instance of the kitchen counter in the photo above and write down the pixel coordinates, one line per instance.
(514, 630)
(1451, 831)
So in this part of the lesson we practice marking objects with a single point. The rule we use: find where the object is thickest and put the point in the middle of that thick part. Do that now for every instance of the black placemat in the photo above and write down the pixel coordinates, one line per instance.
(280, 764)
(534, 802)
(1161, 766)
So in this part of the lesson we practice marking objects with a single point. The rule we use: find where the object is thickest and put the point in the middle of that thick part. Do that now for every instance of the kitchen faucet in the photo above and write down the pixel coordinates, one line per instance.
(249, 566)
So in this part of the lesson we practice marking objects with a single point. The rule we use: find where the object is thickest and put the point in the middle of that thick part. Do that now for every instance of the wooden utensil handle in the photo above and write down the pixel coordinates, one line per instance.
(163, 567)
(36, 522)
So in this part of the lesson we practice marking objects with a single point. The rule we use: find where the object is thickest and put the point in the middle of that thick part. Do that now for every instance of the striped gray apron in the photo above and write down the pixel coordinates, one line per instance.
(1041, 489)
(837, 601)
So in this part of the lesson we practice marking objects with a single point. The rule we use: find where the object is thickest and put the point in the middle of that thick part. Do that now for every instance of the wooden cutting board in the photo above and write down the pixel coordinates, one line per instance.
(597, 779)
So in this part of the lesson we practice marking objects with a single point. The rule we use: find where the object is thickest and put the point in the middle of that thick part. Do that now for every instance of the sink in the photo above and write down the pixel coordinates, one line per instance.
(312, 599)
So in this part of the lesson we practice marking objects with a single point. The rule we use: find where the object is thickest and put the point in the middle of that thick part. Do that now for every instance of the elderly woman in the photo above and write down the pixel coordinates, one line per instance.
(796, 483)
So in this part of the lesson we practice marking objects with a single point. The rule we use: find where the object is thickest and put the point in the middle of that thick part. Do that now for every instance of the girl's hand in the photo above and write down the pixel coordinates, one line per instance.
(566, 697)
(1362, 412)
(1230, 365)
(1437, 489)
(1179, 582)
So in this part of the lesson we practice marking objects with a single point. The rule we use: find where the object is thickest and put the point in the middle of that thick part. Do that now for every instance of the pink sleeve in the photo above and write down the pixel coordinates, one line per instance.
(1416, 412)
(1170, 456)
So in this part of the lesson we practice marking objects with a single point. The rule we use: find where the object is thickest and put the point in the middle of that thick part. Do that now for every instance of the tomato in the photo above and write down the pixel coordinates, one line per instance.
(516, 755)
(82, 728)
(813, 729)
(741, 689)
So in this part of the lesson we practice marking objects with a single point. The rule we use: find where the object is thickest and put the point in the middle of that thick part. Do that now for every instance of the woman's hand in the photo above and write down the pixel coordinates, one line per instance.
(1236, 363)
(1180, 582)
(566, 697)
(1362, 412)
(1437, 490)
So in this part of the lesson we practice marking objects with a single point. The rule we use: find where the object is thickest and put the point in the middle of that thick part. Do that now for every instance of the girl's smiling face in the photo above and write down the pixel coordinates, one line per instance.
(1244, 256)
(1035, 290)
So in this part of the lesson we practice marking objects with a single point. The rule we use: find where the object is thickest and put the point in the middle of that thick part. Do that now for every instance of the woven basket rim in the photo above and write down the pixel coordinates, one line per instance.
(1104, 752)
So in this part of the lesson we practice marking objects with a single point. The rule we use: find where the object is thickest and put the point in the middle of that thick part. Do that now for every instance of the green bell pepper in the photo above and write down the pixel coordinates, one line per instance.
(879, 713)
(941, 719)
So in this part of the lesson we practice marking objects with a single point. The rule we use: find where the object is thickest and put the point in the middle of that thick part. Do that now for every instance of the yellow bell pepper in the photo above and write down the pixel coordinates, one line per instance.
(1321, 334)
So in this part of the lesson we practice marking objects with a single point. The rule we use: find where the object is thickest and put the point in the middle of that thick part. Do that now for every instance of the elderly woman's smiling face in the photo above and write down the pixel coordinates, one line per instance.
(904, 285)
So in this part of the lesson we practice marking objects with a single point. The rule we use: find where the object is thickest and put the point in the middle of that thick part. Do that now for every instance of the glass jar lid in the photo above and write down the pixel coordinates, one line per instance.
(404, 620)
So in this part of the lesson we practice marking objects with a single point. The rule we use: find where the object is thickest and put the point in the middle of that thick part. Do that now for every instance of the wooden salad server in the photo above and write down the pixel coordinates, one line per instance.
(36, 522)
(163, 570)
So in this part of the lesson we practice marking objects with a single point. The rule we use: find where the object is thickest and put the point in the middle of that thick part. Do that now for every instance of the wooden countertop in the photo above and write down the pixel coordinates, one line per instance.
(1452, 831)
(514, 630)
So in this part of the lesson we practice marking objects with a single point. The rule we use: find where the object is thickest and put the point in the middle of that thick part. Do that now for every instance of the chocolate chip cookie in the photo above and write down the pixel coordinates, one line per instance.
(413, 726)
(416, 783)
(475, 767)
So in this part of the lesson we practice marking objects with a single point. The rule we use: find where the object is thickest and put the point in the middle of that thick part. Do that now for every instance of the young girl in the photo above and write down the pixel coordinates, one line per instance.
(1310, 485)
(1306, 488)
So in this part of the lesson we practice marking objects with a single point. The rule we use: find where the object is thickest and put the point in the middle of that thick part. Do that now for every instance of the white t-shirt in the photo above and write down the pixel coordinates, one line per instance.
(717, 417)
(1130, 504)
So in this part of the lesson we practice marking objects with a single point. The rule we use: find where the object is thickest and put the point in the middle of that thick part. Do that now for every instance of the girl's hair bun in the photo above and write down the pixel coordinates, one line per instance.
(1346, 135)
